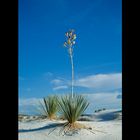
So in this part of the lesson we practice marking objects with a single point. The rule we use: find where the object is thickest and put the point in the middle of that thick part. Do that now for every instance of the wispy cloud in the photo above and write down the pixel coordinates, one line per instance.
(98, 82)
(57, 82)
(103, 100)
(101, 81)
(60, 87)
(29, 105)
(48, 74)
(29, 101)
(25, 90)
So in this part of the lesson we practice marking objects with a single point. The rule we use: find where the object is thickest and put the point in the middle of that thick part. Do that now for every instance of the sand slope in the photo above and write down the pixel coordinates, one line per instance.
(104, 127)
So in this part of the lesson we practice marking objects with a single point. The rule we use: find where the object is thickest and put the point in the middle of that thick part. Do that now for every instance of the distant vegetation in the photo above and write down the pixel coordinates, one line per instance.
(100, 110)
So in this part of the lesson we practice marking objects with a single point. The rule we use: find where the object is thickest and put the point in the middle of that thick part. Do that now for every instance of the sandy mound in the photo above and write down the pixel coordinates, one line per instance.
(106, 126)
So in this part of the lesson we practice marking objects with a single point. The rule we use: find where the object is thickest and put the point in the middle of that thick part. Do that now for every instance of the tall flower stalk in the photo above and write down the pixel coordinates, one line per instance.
(69, 44)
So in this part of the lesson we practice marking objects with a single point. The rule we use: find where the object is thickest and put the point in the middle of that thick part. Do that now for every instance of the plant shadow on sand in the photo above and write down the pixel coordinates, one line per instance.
(51, 126)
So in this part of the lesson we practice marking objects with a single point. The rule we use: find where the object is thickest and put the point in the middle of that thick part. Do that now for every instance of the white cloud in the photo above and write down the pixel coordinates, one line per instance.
(103, 100)
(59, 84)
(60, 87)
(97, 100)
(101, 81)
(29, 106)
(56, 81)
(29, 101)
(98, 82)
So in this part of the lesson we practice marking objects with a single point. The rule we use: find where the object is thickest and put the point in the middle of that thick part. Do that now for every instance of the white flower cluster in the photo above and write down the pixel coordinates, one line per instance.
(71, 36)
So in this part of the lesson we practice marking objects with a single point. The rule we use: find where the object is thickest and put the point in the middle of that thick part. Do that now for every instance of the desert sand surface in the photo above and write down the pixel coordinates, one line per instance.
(105, 125)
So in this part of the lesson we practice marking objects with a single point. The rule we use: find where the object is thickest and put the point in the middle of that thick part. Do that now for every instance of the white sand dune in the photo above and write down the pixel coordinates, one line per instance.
(106, 125)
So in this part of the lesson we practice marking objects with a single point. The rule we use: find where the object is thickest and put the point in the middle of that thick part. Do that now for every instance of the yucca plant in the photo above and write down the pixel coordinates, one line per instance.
(69, 44)
(72, 108)
(49, 107)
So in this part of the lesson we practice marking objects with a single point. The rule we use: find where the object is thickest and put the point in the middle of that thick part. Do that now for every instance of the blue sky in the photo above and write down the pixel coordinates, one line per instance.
(44, 64)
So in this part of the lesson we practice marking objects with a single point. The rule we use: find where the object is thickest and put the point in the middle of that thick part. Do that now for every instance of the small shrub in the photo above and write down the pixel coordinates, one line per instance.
(49, 107)
(72, 107)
